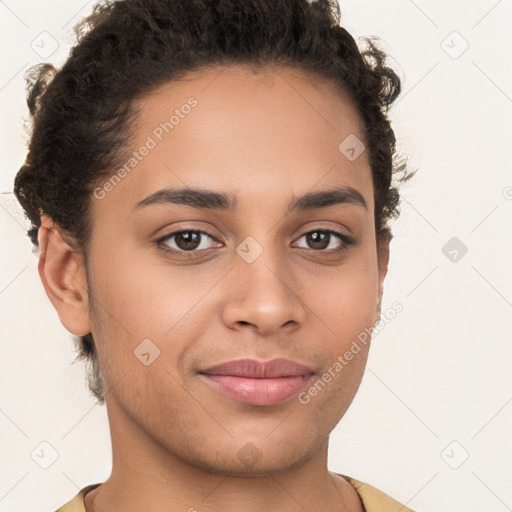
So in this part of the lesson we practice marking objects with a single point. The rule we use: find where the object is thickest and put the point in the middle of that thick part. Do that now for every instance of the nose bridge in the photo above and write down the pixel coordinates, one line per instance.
(262, 286)
(261, 260)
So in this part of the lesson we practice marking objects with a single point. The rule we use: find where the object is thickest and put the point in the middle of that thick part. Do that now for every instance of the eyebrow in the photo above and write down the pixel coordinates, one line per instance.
(208, 199)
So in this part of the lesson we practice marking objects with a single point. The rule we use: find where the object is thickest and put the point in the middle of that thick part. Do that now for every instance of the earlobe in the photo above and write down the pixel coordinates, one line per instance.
(63, 275)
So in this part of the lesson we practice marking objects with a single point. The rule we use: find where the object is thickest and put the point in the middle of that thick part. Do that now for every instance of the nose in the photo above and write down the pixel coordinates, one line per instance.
(263, 295)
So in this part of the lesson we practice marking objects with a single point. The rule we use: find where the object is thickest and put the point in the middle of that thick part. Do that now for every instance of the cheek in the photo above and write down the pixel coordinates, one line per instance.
(345, 306)
(146, 305)
(142, 292)
(346, 299)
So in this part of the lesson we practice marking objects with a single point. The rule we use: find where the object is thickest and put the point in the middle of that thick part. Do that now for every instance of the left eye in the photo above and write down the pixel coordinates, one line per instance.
(322, 238)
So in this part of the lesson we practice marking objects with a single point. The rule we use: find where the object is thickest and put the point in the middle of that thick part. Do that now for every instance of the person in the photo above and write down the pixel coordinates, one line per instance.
(210, 184)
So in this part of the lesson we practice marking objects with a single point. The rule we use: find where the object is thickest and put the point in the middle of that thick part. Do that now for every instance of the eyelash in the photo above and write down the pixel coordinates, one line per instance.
(347, 241)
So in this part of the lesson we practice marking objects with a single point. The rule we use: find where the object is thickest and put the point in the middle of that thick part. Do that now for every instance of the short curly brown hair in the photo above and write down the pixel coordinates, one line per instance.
(81, 113)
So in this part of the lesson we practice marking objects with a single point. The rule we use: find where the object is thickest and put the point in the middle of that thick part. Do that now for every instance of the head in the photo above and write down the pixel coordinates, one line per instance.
(260, 105)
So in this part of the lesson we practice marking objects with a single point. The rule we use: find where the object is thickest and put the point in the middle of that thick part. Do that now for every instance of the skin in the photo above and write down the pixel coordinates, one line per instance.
(266, 137)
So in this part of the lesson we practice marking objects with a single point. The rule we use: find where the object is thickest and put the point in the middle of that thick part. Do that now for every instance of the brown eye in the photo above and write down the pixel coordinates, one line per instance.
(318, 239)
(186, 240)
(325, 240)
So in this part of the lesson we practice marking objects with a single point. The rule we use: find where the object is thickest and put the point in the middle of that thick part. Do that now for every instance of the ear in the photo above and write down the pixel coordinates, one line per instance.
(62, 271)
(384, 237)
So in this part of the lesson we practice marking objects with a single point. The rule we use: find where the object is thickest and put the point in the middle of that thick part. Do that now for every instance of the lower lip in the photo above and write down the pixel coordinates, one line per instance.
(258, 391)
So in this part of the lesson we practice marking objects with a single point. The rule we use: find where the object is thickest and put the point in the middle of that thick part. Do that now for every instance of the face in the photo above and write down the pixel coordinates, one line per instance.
(255, 273)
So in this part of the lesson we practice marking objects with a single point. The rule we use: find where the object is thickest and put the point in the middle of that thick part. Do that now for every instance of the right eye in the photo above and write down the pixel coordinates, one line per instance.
(184, 241)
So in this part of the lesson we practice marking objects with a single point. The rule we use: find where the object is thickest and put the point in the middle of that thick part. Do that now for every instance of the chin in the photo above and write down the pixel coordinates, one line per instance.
(256, 458)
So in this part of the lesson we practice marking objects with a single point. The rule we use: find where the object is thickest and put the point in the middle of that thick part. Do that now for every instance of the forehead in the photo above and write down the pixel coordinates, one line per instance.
(269, 130)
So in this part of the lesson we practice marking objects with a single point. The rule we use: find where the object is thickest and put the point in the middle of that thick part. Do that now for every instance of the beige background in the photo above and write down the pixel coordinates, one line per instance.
(437, 385)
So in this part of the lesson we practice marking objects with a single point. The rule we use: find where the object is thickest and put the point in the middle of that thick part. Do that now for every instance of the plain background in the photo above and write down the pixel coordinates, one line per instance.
(431, 424)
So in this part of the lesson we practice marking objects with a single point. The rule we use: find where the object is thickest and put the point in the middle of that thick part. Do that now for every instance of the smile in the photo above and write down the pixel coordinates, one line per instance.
(258, 383)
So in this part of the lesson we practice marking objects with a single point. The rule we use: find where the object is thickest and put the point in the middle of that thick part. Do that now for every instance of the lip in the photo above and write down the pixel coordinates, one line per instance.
(258, 382)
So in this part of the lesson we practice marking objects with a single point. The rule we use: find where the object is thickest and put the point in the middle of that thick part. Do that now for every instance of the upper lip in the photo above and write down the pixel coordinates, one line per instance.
(252, 368)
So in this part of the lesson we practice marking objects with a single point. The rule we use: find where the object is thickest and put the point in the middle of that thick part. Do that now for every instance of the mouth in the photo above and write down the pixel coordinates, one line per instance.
(258, 383)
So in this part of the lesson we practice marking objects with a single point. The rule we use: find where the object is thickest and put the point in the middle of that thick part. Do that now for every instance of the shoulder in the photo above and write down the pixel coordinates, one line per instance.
(374, 500)
(77, 503)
